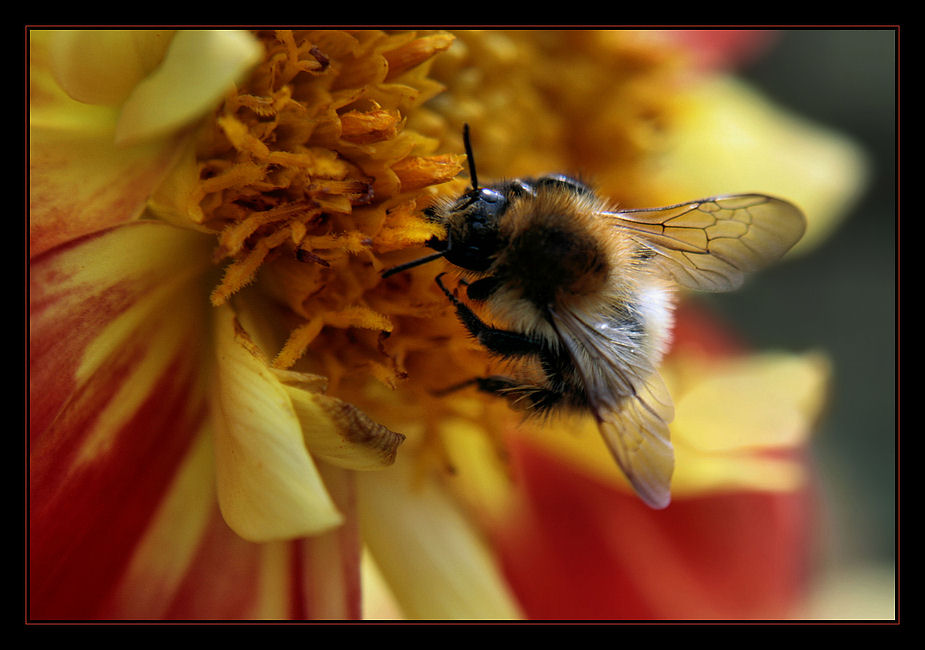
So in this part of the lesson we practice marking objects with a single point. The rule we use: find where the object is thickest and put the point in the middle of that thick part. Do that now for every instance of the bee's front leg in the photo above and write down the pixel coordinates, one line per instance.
(496, 340)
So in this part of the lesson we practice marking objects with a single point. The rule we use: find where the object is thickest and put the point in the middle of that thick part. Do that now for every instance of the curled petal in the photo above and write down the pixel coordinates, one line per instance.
(199, 67)
(103, 66)
(342, 434)
(116, 398)
(268, 485)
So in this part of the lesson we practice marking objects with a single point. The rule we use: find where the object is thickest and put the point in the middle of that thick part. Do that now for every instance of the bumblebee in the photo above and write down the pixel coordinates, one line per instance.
(585, 293)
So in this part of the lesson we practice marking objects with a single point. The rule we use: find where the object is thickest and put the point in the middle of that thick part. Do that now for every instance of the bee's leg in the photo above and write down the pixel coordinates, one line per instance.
(520, 396)
(496, 340)
(482, 288)
(533, 398)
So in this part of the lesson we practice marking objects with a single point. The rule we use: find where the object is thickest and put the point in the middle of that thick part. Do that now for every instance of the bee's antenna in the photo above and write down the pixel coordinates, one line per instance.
(412, 264)
(429, 258)
(472, 175)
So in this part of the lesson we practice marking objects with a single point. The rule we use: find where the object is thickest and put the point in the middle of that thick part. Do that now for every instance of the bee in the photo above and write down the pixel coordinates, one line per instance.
(584, 294)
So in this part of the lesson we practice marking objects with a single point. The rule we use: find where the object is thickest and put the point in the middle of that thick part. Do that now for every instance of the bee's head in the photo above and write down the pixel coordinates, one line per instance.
(472, 225)
(472, 228)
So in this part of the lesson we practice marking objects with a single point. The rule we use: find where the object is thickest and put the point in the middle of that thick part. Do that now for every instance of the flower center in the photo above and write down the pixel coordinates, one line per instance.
(310, 173)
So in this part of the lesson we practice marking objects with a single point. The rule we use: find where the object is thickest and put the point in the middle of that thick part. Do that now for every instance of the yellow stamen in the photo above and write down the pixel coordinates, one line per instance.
(416, 52)
(372, 126)
(420, 171)
(308, 172)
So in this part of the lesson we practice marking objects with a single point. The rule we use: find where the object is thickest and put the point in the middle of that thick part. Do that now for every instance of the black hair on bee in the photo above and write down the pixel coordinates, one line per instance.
(585, 294)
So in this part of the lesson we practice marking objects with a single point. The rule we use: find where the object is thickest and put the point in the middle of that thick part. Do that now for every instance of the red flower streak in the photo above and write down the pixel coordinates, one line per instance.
(84, 535)
(583, 550)
(112, 413)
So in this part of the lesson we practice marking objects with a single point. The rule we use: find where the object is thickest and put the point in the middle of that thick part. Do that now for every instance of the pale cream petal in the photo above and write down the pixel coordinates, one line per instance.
(268, 485)
(198, 69)
(79, 181)
(727, 138)
(435, 562)
(745, 421)
(177, 198)
(854, 593)
(706, 474)
(481, 477)
(379, 603)
(103, 66)
(763, 401)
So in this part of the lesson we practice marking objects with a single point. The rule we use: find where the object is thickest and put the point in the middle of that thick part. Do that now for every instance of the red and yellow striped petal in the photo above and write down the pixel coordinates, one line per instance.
(116, 398)
(190, 565)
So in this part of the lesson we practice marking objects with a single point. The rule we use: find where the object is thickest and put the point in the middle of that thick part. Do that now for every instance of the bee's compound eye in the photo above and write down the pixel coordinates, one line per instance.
(487, 208)
(490, 196)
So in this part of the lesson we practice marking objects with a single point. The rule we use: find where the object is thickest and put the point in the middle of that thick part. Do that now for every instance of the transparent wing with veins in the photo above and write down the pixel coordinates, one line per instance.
(627, 397)
(710, 244)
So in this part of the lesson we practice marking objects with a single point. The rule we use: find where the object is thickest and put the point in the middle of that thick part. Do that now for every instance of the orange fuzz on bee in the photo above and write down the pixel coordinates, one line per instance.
(586, 293)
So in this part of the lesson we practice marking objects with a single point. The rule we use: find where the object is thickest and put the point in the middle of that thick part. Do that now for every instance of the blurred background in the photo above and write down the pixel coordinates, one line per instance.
(843, 301)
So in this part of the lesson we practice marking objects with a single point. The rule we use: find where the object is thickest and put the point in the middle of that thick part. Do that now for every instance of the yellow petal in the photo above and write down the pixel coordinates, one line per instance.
(103, 66)
(268, 485)
(728, 138)
(436, 564)
(379, 602)
(199, 67)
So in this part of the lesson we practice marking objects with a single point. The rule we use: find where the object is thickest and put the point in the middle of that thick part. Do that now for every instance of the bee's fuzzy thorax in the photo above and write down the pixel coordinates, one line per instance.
(557, 248)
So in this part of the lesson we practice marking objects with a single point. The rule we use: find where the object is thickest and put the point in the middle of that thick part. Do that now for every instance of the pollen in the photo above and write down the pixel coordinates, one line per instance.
(309, 174)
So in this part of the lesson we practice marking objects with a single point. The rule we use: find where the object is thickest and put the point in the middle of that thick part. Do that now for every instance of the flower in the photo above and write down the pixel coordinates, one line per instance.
(232, 416)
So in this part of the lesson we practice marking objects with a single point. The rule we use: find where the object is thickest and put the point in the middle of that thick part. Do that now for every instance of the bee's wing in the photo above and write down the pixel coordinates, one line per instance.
(709, 245)
(627, 397)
